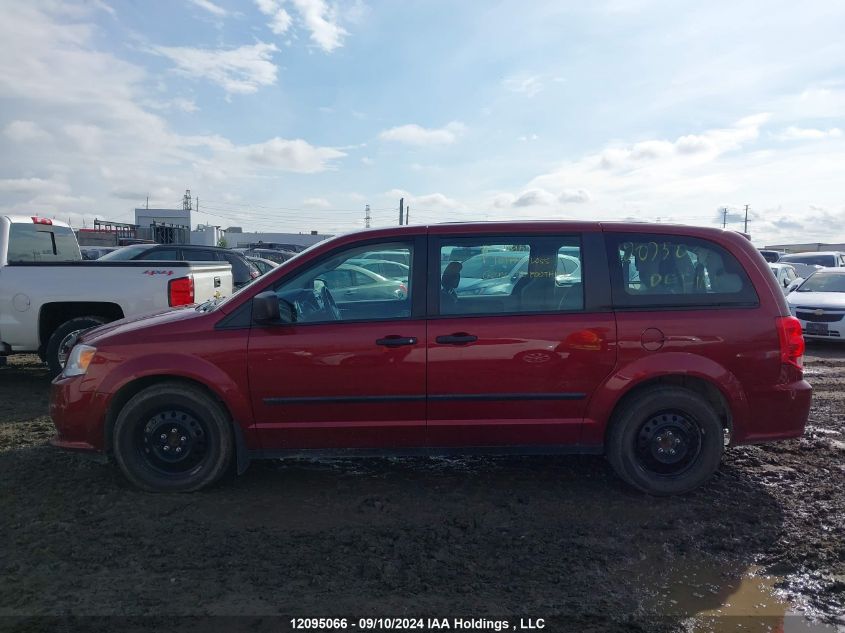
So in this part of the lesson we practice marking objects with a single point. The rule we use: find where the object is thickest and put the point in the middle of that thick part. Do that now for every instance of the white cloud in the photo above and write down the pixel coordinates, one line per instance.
(89, 138)
(435, 201)
(321, 20)
(575, 196)
(280, 20)
(534, 198)
(316, 203)
(239, 70)
(27, 185)
(291, 155)
(807, 134)
(369, 162)
(413, 134)
(26, 132)
(527, 137)
(209, 6)
(529, 86)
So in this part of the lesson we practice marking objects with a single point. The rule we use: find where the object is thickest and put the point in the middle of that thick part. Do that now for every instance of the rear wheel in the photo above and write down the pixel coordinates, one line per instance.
(172, 437)
(666, 440)
(59, 345)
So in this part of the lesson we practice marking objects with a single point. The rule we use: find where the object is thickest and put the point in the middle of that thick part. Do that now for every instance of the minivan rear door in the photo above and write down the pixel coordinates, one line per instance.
(514, 356)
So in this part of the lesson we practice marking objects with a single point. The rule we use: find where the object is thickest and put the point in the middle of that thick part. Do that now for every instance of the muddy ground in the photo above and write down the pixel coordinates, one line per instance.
(559, 538)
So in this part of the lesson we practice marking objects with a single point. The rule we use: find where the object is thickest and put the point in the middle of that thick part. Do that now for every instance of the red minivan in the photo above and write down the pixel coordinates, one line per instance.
(655, 345)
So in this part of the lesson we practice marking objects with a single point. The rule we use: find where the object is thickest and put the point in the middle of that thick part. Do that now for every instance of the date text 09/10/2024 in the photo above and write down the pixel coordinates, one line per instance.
(419, 624)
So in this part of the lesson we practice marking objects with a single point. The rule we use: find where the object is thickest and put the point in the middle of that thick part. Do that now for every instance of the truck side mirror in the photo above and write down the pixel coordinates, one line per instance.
(265, 307)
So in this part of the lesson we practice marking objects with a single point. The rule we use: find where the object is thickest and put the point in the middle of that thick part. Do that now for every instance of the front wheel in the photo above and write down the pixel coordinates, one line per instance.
(172, 437)
(666, 440)
(59, 344)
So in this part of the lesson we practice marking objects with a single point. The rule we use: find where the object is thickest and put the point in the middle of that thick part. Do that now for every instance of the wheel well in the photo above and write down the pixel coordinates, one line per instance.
(54, 314)
(136, 386)
(700, 386)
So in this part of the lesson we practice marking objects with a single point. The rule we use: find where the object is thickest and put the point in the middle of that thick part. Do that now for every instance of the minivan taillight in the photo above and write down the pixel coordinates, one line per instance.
(180, 292)
(791, 341)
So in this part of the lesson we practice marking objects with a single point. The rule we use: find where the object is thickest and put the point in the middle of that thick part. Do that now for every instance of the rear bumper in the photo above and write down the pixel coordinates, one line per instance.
(778, 413)
(78, 416)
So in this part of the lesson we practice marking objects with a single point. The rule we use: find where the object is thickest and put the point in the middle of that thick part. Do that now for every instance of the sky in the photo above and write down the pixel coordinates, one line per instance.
(292, 115)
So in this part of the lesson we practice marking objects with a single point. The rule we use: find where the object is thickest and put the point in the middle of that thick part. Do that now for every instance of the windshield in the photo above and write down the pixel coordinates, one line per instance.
(824, 282)
(813, 260)
(126, 253)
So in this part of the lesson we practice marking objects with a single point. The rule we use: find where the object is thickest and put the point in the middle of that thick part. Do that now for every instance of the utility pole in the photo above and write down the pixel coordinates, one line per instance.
(724, 217)
(401, 211)
(367, 217)
(147, 207)
(746, 219)
(198, 204)
(407, 214)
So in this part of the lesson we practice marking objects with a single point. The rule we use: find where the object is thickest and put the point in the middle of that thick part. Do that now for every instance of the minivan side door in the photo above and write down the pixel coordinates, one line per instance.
(345, 373)
(513, 359)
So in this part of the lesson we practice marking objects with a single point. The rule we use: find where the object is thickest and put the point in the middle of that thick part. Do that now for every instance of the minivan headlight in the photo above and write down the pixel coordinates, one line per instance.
(79, 359)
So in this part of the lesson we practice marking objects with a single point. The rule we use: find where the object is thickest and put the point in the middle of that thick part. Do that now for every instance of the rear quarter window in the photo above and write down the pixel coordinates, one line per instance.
(671, 271)
(42, 243)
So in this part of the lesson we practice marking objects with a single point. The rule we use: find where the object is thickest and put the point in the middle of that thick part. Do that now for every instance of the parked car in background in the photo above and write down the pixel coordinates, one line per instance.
(392, 256)
(96, 252)
(770, 256)
(264, 266)
(48, 294)
(824, 259)
(280, 257)
(819, 304)
(242, 271)
(785, 274)
(353, 283)
(659, 371)
(385, 268)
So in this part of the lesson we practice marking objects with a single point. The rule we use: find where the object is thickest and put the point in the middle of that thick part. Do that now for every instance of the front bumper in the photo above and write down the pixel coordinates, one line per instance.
(78, 415)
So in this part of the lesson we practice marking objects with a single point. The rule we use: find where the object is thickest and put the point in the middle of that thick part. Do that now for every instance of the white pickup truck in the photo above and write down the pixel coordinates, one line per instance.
(48, 294)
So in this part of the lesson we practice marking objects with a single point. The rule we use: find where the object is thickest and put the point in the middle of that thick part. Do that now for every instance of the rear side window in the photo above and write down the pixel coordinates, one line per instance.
(42, 243)
(669, 271)
(499, 275)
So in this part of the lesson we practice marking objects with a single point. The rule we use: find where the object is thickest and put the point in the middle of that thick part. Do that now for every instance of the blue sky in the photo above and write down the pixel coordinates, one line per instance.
(293, 114)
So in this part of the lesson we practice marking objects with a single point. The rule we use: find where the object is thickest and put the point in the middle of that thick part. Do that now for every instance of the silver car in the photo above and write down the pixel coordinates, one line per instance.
(819, 303)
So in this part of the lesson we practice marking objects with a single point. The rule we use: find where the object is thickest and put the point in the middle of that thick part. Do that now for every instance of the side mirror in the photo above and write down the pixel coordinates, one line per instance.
(265, 307)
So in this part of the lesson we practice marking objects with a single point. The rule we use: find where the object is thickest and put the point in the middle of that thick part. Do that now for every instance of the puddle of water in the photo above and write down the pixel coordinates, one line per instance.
(716, 601)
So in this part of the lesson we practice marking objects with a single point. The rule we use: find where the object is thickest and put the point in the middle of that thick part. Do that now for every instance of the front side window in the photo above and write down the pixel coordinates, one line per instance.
(338, 289)
(675, 271)
(509, 276)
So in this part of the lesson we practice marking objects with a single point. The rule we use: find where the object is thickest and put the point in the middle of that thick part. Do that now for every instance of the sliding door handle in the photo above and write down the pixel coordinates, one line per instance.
(461, 338)
(396, 341)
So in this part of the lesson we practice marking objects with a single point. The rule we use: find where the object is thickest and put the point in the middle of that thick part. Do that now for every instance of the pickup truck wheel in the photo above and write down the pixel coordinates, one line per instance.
(667, 440)
(58, 347)
(172, 437)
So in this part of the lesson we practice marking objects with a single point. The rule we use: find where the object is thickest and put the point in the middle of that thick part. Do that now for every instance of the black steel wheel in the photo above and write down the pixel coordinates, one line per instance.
(665, 440)
(172, 437)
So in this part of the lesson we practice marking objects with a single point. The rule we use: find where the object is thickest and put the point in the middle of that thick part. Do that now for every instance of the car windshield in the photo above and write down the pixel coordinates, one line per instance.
(813, 260)
(824, 282)
(126, 253)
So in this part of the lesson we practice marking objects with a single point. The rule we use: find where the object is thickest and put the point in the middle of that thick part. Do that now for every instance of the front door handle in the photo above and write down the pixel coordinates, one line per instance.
(396, 341)
(460, 338)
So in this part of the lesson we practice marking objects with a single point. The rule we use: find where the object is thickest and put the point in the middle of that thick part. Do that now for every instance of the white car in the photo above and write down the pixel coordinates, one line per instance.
(785, 274)
(48, 294)
(819, 303)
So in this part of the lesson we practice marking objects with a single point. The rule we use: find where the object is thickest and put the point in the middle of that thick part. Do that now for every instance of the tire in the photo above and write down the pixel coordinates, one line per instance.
(56, 354)
(666, 440)
(194, 429)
